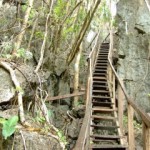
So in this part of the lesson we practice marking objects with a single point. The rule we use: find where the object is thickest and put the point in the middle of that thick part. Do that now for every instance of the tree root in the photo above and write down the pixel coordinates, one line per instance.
(17, 86)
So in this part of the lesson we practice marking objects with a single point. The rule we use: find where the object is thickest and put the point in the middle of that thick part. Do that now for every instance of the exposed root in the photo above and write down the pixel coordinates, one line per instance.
(6, 66)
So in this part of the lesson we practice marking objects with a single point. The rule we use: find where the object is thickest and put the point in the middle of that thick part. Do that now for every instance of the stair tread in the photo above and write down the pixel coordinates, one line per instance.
(100, 66)
(105, 127)
(103, 52)
(107, 146)
(102, 60)
(103, 117)
(96, 73)
(106, 136)
(103, 109)
(99, 77)
(101, 91)
(102, 55)
(101, 86)
(103, 97)
(100, 70)
(95, 81)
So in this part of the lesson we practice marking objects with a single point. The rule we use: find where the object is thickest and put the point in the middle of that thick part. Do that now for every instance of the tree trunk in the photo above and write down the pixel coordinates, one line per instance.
(24, 26)
(76, 76)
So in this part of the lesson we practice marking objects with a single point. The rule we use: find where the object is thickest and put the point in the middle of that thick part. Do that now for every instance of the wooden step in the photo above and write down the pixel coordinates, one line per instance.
(106, 147)
(100, 86)
(104, 49)
(103, 52)
(99, 109)
(104, 104)
(99, 74)
(105, 127)
(106, 137)
(100, 67)
(102, 63)
(100, 97)
(103, 117)
(105, 61)
(100, 91)
(99, 78)
(101, 70)
(102, 55)
(95, 81)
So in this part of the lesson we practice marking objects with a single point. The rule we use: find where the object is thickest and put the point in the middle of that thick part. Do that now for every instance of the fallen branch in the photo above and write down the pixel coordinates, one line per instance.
(17, 85)
(65, 96)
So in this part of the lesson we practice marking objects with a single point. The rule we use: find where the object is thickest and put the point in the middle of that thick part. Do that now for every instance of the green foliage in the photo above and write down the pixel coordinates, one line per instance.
(102, 15)
(19, 89)
(50, 113)
(62, 137)
(6, 48)
(22, 53)
(105, 13)
(39, 34)
(32, 14)
(24, 7)
(137, 125)
(2, 120)
(59, 9)
(9, 126)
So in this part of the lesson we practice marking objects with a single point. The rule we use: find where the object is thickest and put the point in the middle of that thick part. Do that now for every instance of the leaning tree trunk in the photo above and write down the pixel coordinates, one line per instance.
(24, 26)
(76, 76)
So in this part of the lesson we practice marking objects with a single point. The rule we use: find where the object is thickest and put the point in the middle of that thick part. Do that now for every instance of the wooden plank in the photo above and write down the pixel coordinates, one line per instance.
(103, 109)
(102, 147)
(106, 137)
(65, 96)
(146, 137)
(120, 106)
(130, 128)
(99, 78)
(103, 117)
(100, 91)
(101, 97)
(105, 127)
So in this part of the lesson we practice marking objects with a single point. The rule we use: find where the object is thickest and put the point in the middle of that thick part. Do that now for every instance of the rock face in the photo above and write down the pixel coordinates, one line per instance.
(33, 141)
(6, 87)
(133, 47)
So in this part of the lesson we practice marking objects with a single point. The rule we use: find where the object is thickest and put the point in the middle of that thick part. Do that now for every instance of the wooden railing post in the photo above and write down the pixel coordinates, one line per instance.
(130, 128)
(114, 89)
(120, 105)
(146, 137)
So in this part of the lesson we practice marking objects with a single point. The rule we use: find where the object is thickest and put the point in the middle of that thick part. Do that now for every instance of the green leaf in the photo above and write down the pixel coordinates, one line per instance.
(2, 120)
(50, 114)
(60, 134)
(9, 126)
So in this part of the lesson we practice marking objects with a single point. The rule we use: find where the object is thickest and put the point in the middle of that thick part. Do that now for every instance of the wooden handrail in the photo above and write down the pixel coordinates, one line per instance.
(145, 117)
(84, 132)
(65, 96)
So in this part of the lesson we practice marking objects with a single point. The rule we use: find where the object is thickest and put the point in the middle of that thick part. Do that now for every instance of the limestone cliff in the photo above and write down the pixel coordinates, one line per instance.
(132, 41)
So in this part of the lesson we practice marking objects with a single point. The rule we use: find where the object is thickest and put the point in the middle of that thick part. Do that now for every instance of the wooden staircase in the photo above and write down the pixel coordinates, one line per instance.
(103, 121)
(105, 132)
